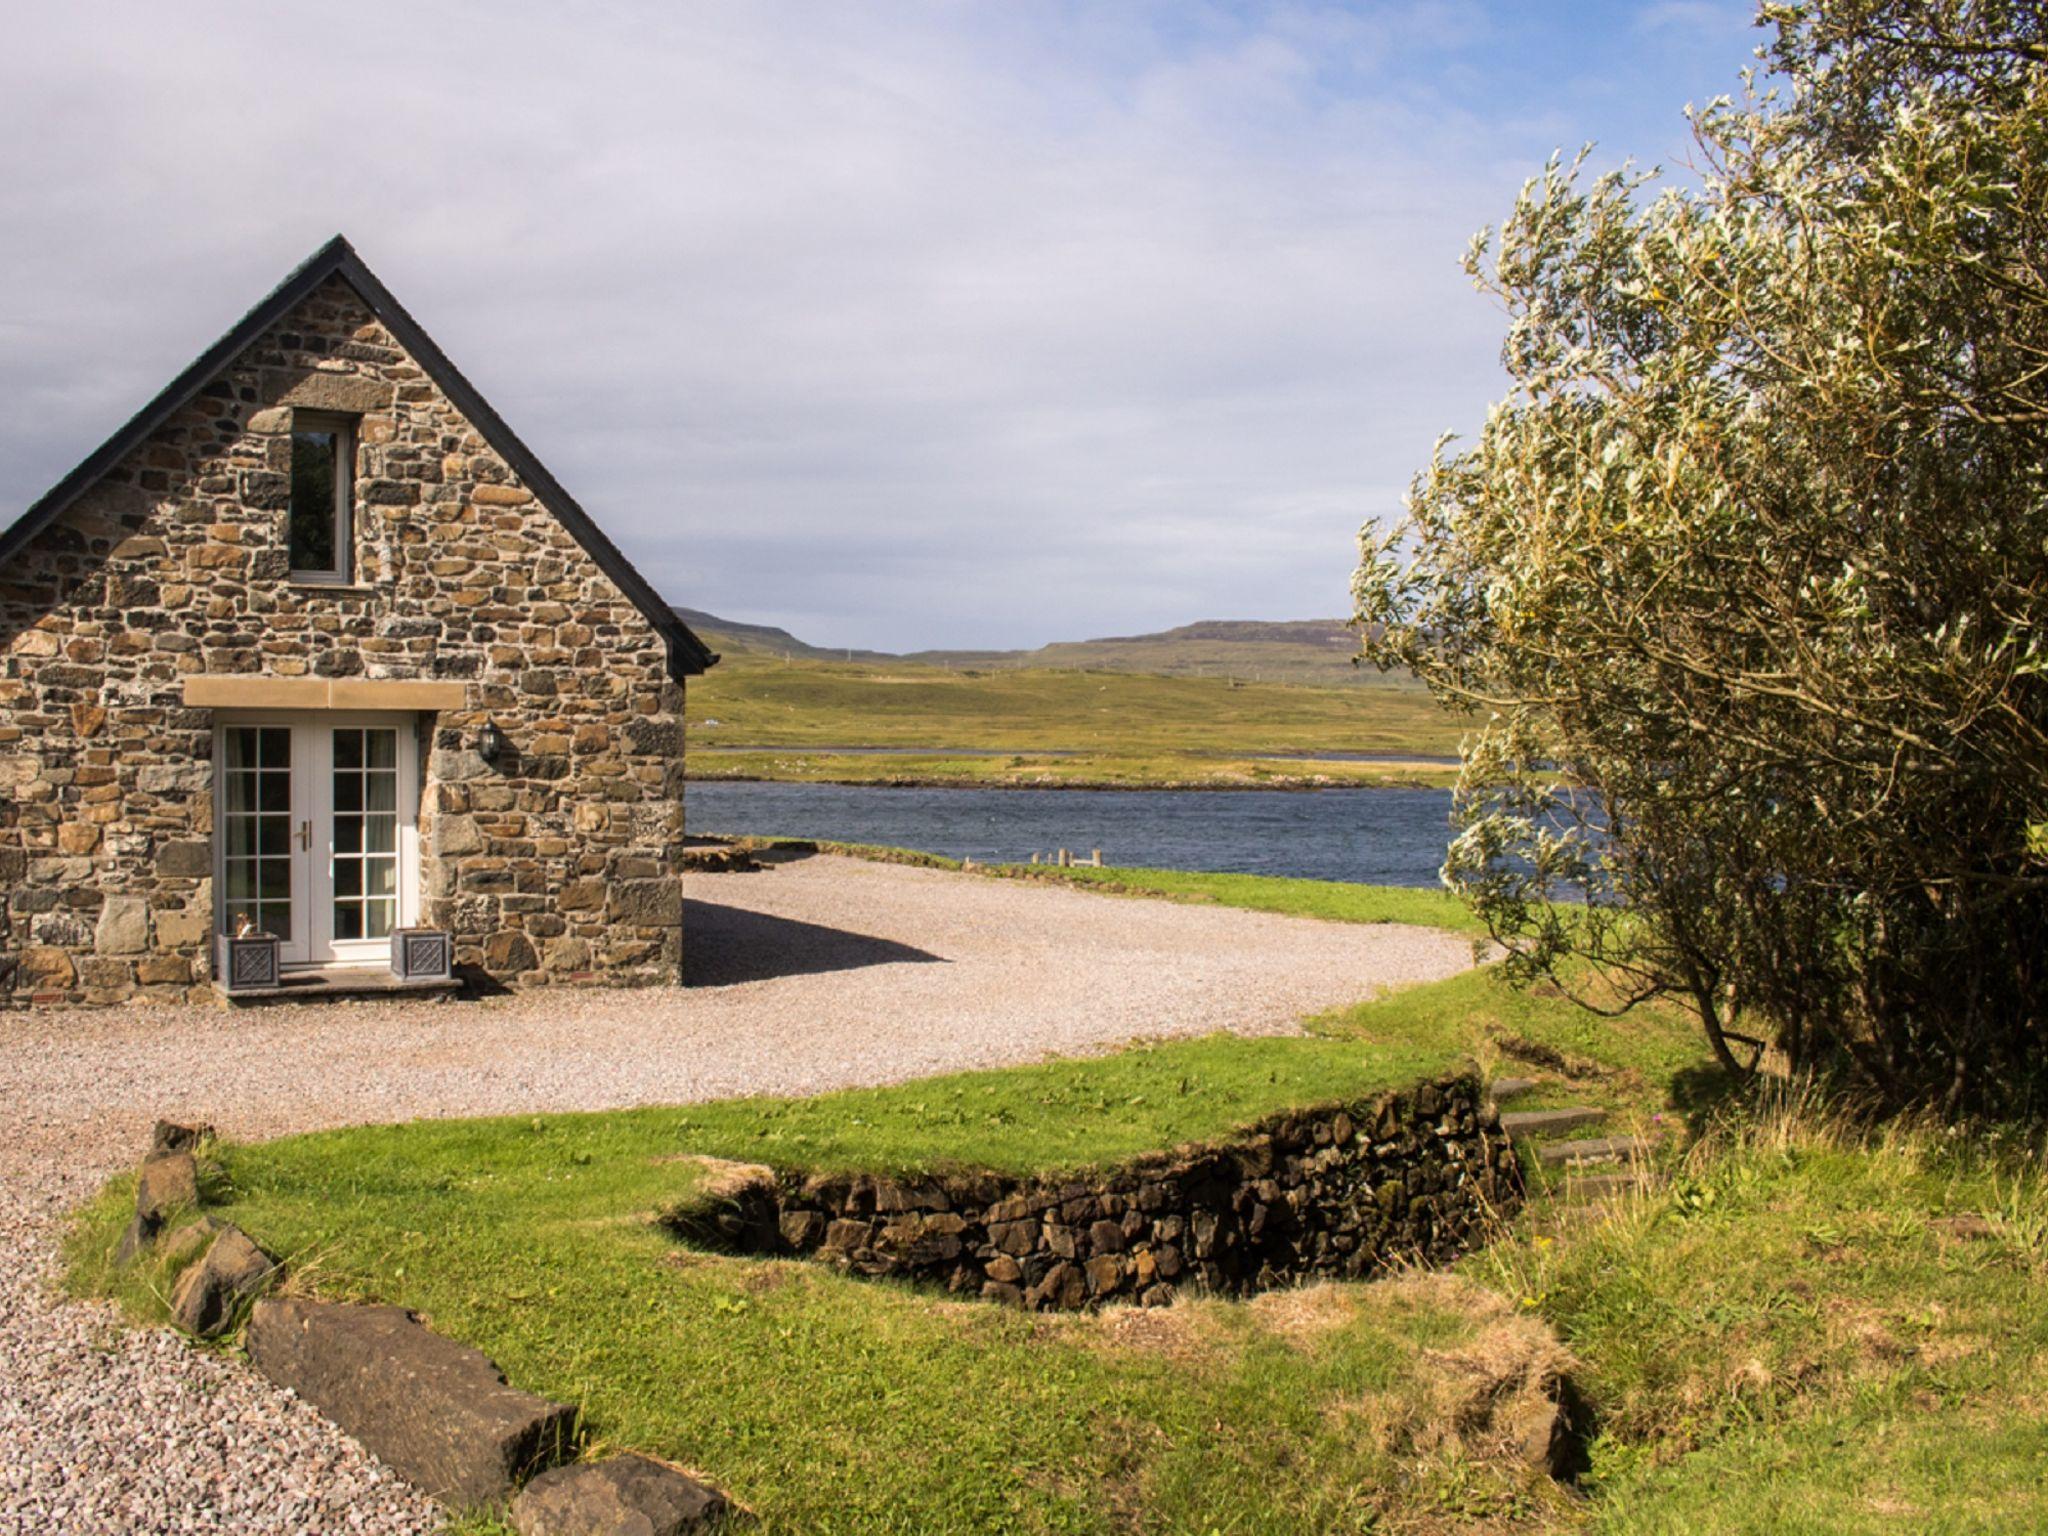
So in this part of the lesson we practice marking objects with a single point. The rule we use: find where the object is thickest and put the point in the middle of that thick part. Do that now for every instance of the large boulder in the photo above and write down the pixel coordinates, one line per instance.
(628, 1495)
(210, 1295)
(168, 1136)
(435, 1411)
(168, 1183)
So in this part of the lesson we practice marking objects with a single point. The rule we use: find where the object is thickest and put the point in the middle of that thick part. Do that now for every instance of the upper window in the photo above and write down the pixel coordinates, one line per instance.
(322, 531)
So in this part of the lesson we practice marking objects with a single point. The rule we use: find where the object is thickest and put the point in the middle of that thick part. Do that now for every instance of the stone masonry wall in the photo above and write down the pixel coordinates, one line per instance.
(1342, 1192)
(560, 865)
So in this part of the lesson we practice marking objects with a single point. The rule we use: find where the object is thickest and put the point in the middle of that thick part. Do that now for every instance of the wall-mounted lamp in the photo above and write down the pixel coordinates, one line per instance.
(491, 744)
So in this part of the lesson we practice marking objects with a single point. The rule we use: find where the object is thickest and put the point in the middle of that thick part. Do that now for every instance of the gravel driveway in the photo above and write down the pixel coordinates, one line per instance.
(818, 974)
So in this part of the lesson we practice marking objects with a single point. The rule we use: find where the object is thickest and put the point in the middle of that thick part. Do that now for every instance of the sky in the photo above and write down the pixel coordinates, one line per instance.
(901, 325)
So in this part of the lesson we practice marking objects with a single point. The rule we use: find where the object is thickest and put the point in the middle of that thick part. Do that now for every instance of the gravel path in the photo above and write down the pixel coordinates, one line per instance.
(819, 974)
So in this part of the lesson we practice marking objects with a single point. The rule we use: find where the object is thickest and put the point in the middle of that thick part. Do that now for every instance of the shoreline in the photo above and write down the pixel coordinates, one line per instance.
(1285, 769)
(1287, 785)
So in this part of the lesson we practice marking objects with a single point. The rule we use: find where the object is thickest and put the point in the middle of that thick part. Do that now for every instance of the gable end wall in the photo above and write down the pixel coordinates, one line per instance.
(559, 865)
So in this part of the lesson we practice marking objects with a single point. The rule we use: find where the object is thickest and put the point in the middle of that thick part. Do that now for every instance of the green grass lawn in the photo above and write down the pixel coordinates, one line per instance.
(1329, 899)
(763, 703)
(1813, 1329)
(1806, 1329)
(819, 1399)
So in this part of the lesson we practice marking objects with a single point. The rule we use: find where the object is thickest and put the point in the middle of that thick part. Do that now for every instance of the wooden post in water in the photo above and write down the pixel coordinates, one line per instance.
(1098, 858)
(1066, 858)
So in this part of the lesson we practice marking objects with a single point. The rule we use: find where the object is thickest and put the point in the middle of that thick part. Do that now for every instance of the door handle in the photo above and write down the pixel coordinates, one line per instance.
(305, 835)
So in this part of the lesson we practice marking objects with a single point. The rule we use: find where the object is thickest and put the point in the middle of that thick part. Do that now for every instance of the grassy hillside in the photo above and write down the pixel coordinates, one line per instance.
(759, 702)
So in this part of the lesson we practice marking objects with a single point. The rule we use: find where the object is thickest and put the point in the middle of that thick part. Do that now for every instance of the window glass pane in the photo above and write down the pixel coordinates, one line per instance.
(314, 456)
(276, 743)
(383, 789)
(241, 881)
(383, 875)
(348, 750)
(383, 833)
(348, 877)
(383, 748)
(240, 745)
(348, 792)
(383, 917)
(348, 920)
(275, 918)
(348, 834)
(241, 837)
(277, 879)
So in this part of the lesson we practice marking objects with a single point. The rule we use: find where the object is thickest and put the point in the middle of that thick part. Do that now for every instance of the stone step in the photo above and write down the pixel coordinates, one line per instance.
(1593, 1188)
(1502, 1089)
(1541, 1122)
(1599, 1149)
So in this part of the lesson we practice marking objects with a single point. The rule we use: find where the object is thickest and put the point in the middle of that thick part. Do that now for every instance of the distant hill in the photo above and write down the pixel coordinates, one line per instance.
(1295, 650)
(730, 637)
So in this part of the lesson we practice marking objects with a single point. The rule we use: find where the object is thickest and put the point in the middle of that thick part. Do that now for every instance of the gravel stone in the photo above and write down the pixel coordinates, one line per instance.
(821, 974)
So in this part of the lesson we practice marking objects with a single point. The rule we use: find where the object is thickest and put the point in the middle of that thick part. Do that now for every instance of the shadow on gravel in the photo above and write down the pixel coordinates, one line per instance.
(724, 946)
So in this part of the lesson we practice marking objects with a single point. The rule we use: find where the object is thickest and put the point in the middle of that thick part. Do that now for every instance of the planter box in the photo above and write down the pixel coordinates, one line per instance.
(246, 965)
(422, 954)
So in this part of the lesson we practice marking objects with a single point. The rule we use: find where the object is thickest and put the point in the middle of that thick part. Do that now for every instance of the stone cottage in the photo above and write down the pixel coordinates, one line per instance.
(314, 643)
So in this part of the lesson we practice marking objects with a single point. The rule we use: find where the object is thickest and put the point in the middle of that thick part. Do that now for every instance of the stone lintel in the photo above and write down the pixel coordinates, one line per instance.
(349, 394)
(321, 693)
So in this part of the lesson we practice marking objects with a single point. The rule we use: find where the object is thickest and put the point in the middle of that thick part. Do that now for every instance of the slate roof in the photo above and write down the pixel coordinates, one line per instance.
(687, 654)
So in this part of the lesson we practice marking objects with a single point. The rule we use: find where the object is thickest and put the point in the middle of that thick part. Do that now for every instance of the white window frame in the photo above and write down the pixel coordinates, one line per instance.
(344, 430)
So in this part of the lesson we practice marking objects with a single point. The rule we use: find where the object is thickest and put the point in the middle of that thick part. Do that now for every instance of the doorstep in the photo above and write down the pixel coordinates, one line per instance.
(352, 981)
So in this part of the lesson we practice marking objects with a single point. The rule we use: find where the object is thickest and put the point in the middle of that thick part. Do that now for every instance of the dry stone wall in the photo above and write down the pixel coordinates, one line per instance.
(1340, 1192)
(557, 865)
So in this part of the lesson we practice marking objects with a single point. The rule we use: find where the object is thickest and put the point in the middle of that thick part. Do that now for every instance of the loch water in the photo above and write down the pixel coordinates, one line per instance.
(1374, 836)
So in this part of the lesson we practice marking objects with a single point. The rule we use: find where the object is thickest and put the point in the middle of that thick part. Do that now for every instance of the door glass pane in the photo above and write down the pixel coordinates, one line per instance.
(256, 804)
(365, 833)
(274, 793)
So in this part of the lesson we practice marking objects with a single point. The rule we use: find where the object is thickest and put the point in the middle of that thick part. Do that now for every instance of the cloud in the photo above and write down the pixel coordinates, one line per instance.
(931, 325)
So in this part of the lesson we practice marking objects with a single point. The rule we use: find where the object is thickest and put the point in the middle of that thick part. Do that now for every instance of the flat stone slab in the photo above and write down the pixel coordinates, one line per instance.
(437, 1412)
(1595, 1187)
(1602, 1149)
(1502, 1089)
(1540, 1122)
(629, 1495)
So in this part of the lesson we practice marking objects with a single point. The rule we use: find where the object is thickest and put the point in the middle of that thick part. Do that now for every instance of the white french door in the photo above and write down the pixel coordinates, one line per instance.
(317, 835)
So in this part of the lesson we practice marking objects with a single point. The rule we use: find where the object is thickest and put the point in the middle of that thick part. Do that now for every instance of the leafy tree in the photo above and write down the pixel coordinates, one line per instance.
(1745, 580)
